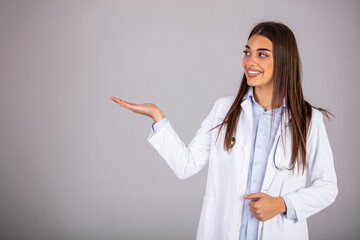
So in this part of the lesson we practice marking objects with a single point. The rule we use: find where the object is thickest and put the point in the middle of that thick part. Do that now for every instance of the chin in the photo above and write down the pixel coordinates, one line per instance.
(251, 82)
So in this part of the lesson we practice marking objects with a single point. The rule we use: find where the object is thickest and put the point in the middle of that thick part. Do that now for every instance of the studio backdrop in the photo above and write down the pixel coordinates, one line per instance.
(74, 165)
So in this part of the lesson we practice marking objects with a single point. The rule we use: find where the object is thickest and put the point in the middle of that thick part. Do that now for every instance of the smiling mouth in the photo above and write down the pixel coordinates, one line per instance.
(252, 73)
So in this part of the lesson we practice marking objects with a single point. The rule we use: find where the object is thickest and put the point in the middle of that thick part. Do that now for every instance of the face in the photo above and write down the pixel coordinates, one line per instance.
(258, 62)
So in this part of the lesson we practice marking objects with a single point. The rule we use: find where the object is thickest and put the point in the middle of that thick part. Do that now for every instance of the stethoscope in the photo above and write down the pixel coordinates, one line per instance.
(282, 168)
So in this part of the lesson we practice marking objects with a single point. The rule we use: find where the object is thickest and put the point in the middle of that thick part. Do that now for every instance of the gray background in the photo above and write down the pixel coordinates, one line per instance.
(75, 165)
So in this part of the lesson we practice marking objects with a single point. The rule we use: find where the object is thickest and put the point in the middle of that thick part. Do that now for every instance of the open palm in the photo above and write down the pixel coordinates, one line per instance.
(147, 109)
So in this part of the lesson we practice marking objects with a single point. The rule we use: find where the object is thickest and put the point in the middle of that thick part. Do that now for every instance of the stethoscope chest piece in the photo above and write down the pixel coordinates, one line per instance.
(233, 141)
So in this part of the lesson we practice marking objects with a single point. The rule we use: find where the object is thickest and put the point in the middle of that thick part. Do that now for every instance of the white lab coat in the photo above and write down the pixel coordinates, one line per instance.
(227, 174)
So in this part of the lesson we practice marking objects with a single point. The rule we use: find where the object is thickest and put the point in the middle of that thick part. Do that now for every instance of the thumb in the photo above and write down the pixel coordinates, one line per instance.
(255, 195)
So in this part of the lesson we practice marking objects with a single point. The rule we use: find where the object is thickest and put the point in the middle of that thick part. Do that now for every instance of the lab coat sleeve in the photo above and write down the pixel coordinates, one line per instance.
(323, 182)
(290, 211)
(185, 161)
(157, 126)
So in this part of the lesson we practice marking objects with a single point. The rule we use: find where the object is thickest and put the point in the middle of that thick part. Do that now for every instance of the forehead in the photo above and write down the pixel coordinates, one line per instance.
(258, 41)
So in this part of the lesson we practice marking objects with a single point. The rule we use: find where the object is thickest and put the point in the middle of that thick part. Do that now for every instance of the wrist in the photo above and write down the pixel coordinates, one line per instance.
(282, 205)
(158, 116)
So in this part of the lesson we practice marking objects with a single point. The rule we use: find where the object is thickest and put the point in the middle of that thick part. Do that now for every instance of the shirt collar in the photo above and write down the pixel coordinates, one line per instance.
(250, 96)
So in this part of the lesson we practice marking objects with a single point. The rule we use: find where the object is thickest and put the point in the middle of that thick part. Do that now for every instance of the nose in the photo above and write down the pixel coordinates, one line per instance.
(251, 61)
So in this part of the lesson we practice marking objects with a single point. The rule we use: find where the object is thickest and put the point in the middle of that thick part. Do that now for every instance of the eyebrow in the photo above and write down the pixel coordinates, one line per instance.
(259, 49)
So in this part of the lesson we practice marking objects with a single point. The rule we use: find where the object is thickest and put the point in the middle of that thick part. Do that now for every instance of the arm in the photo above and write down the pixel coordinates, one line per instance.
(307, 201)
(323, 182)
(185, 161)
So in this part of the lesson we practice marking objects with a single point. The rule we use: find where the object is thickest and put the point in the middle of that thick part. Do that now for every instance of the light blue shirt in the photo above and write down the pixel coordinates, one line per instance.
(263, 139)
(258, 162)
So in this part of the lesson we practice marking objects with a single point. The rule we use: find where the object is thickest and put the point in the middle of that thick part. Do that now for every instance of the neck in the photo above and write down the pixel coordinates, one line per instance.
(263, 96)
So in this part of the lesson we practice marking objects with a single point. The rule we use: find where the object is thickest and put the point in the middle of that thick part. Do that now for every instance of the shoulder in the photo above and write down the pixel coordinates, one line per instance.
(316, 125)
(223, 104)
(316, 113)
(317, 116)
(225, 100)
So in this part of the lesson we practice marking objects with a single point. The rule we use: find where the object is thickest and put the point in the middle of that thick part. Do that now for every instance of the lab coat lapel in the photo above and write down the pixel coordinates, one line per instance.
(245, 124)
(247, 108)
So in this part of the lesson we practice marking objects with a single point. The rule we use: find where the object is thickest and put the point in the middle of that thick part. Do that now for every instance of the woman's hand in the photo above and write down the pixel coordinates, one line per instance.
(147, 109)
(264, 207)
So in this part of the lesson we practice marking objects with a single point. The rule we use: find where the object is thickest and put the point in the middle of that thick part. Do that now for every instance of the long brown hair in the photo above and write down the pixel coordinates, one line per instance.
(287, 84)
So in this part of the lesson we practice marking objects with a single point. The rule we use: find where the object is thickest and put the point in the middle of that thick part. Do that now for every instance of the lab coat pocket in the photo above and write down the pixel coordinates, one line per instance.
(208, 218)
(272, 229)
(296, 230)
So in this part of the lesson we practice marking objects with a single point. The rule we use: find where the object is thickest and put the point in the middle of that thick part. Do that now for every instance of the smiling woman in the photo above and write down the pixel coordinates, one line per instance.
(256, 188)
(258, 65)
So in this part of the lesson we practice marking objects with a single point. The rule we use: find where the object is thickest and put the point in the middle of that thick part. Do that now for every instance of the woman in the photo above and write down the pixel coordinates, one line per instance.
(268, 140)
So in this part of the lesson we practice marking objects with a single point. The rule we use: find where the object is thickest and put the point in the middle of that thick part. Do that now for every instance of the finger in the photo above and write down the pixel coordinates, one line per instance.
(255, 196)
(256, 216)
(259, 218)
(253, 208)
(115, 99)
(124, 103)
(252, 204)
(253, 211)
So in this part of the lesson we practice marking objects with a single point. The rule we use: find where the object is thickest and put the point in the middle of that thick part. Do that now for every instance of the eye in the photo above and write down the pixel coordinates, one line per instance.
(246, 53)
(262, 55)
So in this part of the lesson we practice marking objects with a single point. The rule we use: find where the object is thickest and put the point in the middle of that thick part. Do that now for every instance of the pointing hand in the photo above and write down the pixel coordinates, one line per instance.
(264, 207)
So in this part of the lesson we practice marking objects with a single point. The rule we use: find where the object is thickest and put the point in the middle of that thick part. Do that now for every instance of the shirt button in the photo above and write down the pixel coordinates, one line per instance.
(252, 216)
(261, 129)
(258, 145)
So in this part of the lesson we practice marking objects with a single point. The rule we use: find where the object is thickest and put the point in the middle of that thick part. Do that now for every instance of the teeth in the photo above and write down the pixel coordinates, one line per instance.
(253, 72)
